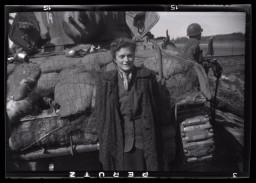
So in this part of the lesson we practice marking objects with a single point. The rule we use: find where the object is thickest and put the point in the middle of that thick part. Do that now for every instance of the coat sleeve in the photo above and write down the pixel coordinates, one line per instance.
(158, 119)
(100, 104)
(155, 98)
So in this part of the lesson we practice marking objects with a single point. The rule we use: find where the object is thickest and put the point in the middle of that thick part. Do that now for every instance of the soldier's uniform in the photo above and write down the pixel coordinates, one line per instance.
(192, 50)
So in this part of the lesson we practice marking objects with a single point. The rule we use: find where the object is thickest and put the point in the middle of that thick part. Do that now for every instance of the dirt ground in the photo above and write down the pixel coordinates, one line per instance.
(231, 83)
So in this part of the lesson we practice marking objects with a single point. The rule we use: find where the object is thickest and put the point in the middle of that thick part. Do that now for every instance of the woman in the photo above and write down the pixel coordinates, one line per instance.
(127, 113)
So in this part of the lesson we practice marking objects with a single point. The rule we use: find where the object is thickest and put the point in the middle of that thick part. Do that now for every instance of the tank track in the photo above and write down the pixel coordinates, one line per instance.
(196, 131)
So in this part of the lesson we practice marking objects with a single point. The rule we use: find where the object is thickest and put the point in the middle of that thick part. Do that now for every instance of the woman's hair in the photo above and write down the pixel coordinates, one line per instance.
(119, 43)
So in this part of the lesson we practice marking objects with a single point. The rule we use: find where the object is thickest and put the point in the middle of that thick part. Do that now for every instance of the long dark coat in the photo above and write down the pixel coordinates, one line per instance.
(111, 138)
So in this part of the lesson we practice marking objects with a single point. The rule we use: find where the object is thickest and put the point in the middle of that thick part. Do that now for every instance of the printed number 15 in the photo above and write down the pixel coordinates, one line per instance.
(47, 7)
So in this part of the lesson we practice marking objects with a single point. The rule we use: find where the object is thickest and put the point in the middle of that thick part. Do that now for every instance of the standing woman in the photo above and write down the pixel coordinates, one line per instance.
(127, 114)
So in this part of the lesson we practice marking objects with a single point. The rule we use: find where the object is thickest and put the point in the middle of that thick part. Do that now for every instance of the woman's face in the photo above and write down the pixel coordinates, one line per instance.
(125, 59)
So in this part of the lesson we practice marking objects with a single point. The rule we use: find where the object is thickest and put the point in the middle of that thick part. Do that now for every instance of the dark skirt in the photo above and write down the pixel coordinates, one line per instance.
(134, 160)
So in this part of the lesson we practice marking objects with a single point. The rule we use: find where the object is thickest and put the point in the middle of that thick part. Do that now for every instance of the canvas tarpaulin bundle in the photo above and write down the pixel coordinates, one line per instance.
(75, 91)
(27, 71)
(10, 68)
(182, 77)
(31, 105)
(53, 132)
(17, 109)
(57, 63)
(97, 60)
(46, 84)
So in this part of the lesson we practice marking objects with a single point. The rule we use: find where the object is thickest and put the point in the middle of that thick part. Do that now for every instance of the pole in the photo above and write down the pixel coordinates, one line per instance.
(232, 46)
(213, 106)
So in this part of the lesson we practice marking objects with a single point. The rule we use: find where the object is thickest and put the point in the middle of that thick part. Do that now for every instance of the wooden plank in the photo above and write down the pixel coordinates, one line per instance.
(62, 151)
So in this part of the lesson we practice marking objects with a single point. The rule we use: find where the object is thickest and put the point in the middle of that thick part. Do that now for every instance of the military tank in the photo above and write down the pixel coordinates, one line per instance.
(50, 94)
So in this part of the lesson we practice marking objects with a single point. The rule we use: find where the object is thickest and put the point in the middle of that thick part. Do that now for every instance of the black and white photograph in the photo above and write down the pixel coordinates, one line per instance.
(127, 91)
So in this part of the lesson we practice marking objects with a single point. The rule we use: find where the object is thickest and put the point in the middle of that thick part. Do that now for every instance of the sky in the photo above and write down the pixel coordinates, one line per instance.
(213, 23)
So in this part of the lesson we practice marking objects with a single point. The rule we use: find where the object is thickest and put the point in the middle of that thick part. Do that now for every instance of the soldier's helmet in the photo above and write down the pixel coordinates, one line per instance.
(194, 29)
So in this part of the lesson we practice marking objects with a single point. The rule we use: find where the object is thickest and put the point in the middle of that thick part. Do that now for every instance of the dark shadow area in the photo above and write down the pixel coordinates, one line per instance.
(80, 162)
(227, 157)
(88, 161)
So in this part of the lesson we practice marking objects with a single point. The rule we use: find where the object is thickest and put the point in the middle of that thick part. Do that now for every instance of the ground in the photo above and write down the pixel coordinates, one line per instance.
(231, 83)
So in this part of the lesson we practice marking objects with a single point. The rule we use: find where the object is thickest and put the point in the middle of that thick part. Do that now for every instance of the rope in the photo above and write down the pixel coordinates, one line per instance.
(159, 59)
(175, 56)
(42, 138)
(71, 143)
(28, 86)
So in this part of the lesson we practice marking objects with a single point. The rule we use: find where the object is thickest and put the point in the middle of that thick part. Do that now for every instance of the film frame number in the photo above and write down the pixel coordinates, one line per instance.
(47, 7)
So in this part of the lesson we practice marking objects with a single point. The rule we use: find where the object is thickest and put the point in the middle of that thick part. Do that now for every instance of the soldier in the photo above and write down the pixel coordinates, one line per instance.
(192, 49)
